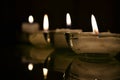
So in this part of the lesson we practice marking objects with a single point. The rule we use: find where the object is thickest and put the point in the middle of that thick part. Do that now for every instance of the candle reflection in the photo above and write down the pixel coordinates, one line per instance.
(30, 66)
(45, 72)
(93, 67)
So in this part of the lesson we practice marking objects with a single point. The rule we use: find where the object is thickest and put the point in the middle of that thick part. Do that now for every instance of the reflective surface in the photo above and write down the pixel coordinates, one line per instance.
(94, 67)
(65, 64)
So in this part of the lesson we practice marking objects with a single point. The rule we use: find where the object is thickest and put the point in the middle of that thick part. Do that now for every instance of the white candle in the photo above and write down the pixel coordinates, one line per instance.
(30, 27)
(60, 40)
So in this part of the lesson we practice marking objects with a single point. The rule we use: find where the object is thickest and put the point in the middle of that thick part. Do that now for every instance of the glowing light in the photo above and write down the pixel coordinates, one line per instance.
(30, 19)
(94, 25)
(45, 72)
(68, 19)
(45, 22)
(30, 66)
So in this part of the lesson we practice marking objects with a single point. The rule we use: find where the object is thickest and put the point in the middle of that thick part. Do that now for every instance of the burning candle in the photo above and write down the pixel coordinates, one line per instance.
(46, 27)
(30, 27)
(60, 36)
(68, 25)
(95, 42)
(41, 38)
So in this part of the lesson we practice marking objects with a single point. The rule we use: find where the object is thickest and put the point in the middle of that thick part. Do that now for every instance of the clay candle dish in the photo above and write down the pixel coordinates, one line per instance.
(96, 42)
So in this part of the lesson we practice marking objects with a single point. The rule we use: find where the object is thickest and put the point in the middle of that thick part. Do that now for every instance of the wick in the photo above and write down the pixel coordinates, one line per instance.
(96, 32)
(46, 31)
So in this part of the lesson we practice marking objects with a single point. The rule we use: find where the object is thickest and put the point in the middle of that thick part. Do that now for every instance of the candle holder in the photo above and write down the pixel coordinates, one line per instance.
(40, 39)
(47, 37)
(59, 40)
(39, 50)
(30, 28)
(93, 43)
(70, 35)
(61, 37)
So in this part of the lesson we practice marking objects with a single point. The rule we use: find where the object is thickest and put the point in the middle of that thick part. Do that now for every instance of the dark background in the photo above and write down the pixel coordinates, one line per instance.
(15, 12)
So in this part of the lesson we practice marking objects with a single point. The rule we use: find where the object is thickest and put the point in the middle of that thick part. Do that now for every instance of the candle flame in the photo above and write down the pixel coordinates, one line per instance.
(94, 25)
(30, 66)
(45, 72)
(68, 19)
(30, 19)
(45, 22)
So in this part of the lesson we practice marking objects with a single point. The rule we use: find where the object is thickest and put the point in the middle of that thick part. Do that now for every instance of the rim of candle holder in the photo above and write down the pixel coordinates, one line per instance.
(79, 43)
(39, 39)
(90, 34)
(59, 35)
